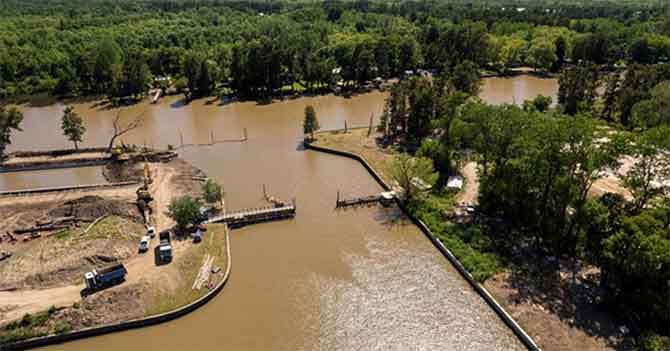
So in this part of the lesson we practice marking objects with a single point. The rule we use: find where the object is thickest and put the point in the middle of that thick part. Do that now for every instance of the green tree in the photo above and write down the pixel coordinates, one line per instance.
(108, 64)
(73, 126)
(542, 55)
(540, 103)
(465, 77)
(412, 174)
(561, 51)
(212, 192)
(654, 111)
(577, 88)
(184, 210)
(311, 123)
(10, 120)
(647, 178)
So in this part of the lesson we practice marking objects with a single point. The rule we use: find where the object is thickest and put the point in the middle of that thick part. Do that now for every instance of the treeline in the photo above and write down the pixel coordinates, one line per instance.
(256, 48)
(538, 165)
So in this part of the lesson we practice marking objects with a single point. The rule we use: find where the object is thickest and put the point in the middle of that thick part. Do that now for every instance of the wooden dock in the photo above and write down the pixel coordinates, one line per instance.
(384, 198)
(255, 215)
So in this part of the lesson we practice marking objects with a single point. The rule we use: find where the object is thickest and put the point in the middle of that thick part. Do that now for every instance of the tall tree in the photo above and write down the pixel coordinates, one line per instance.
(10, 120)
(649, 177)
(412, 174)
(577, 88)
(119, 128)
(73, 126)
(311, 123)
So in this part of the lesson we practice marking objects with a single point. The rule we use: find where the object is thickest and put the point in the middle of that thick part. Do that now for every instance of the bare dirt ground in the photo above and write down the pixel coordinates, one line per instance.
(45, 158)
(470, 191)
(559, 313)
(358, 142)
(47, 271)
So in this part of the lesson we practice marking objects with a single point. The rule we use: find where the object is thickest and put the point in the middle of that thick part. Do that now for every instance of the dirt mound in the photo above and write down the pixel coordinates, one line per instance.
(123, 171)
(92, 207)
(109, 306)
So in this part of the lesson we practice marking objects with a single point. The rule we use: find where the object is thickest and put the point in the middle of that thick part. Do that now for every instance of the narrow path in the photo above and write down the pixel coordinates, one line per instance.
(470, 192)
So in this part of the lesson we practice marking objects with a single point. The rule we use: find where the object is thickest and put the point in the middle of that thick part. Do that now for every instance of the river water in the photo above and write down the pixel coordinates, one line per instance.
(362, 279)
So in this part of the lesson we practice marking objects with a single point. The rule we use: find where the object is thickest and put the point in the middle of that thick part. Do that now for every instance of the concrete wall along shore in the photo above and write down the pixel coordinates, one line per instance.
(33, 191)
(490, 300)
(54, 164)
(132, 324)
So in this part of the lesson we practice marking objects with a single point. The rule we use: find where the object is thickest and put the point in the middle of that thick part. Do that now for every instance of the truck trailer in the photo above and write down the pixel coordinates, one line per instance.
(105, 277)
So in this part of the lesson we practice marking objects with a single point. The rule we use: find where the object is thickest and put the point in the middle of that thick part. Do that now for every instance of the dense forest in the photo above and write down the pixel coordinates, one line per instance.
(538, 162)
(256, 48)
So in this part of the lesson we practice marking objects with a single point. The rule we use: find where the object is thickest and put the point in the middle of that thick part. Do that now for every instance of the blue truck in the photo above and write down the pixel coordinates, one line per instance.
(105, 277)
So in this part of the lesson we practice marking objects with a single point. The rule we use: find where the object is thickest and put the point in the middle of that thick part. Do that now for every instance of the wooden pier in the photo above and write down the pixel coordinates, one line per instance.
(385, 198)
(255, 215)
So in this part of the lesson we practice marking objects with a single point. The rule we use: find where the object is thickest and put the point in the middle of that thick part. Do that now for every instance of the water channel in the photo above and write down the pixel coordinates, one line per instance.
(356, 279)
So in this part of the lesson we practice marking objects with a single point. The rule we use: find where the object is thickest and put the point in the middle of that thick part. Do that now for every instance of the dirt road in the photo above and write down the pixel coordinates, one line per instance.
(470, 192)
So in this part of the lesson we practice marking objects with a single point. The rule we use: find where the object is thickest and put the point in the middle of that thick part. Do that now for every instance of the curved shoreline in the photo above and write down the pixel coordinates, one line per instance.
(490, 300)
(126, 325)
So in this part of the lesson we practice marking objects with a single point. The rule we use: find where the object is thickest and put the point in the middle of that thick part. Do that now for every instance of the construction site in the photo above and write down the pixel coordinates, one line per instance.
(69, 256)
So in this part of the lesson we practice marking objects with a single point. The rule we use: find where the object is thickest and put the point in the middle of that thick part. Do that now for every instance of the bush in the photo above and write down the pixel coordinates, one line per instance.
(470, 244)
(654, 342)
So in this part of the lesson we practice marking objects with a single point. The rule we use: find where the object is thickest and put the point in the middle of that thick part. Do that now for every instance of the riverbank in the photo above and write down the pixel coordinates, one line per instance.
(555, 310)
(78, 231)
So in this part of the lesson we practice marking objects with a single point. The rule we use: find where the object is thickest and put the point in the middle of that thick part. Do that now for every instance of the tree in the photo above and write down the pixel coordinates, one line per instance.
(108, 64)
(412, 174)
(540, 103)
(465, 77)
(212, 192)
(184, 210)
(577, 88)
(10, 119)
(542, 55)
(641, 52)
(561, 50)
(654, 111)
(648, 177)
(120, 129)
(73, 126)
(311, 123)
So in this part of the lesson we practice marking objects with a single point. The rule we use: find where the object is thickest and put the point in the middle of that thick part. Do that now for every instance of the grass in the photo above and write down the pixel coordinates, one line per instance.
(112, 227)
(188, 264)
(356, 141)
(469, 243)
(31, 326)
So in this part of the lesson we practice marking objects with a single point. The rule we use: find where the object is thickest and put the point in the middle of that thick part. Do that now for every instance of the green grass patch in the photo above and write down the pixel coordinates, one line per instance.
(470, 243)
(188, 264)
(107, 228)
(31, 326)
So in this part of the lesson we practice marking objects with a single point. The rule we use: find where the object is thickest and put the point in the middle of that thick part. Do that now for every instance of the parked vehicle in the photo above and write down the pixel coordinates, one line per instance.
(144, 244)
(165, 252)
(151, 232)
(105, 277)
(164, 248)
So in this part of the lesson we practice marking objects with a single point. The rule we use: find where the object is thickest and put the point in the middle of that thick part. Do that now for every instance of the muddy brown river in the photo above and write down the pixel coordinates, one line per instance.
(363, 279)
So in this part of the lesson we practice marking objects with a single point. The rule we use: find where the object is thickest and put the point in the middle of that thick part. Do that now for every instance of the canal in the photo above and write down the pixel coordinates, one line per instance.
(354, 279)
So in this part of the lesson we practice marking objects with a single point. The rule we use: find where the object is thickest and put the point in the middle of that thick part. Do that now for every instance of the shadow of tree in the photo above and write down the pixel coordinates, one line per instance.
(568, 291)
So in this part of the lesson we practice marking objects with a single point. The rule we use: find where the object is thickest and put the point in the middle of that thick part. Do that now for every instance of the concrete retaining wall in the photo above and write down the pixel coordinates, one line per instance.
(33, 191)
(137, 323)
(42, 165)
(56, 153)
(499, 310)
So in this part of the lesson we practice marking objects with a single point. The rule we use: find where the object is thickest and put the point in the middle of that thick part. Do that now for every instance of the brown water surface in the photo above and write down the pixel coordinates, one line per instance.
(517, 89)
(362, 279)
(51, 177)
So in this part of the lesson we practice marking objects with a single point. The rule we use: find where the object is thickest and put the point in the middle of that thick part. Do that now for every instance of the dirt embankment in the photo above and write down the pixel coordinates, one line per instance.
(48, 270)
